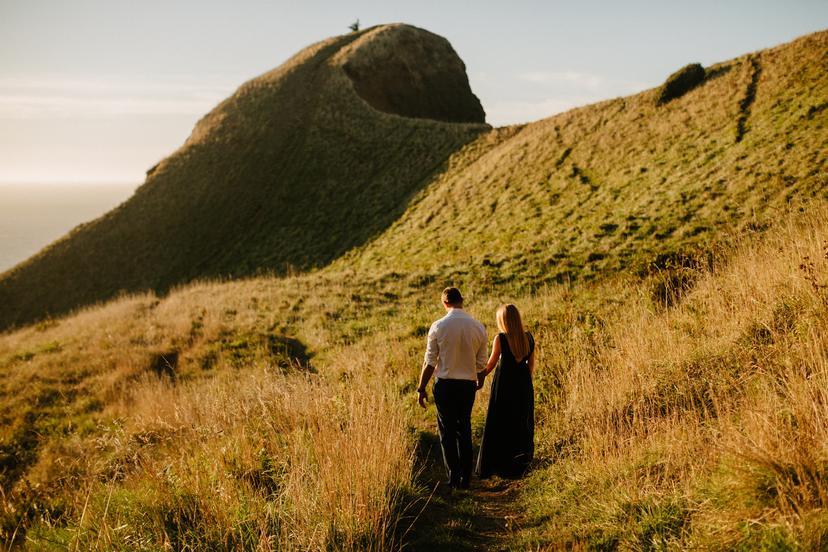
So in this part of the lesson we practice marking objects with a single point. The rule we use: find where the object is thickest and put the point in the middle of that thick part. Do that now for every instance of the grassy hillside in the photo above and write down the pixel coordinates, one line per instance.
(243, 414)
(289, 172)
(624, 184)
(696, 427)
(670, 260)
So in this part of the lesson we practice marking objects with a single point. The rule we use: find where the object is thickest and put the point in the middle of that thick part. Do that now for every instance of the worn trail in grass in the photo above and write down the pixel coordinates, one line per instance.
(485, 517)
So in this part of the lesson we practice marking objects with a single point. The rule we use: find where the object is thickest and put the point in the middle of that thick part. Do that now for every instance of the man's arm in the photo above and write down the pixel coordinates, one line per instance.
(480, 360)
(482, 357)
(432, 354)
(425, 375)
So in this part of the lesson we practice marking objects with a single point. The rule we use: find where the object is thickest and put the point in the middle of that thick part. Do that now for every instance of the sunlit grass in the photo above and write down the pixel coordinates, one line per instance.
(696, 426)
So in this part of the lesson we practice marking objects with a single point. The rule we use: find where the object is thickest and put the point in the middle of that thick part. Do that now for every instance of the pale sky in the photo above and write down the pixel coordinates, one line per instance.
(100, 90)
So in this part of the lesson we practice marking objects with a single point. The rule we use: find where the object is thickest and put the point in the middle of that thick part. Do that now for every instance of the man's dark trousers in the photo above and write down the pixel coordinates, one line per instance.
(454, 400)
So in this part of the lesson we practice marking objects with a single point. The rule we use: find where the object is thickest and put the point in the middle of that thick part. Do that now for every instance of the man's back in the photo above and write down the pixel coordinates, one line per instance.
(456, 346)
(456, 351)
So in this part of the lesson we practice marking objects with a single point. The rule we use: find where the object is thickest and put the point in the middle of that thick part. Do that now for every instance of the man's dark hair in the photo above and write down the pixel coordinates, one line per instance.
(451, 295)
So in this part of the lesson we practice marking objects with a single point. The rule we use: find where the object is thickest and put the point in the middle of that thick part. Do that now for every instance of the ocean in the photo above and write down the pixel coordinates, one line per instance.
(34, 215)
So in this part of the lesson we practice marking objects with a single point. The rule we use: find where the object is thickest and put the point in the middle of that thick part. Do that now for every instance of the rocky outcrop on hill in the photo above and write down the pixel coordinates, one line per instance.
(404, 70)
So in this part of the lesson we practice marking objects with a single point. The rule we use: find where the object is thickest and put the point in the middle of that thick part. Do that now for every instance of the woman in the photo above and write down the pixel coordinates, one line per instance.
(508, 442)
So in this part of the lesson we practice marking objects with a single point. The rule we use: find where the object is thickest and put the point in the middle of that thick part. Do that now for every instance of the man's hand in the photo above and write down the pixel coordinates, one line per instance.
(481, 378)
(425, 375)
(422, 397)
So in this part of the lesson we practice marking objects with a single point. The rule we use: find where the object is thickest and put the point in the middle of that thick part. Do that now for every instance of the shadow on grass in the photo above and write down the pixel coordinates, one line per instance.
(440, 518)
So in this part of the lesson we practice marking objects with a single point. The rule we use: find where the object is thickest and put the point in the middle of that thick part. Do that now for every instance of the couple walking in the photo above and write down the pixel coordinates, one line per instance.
(456, 356)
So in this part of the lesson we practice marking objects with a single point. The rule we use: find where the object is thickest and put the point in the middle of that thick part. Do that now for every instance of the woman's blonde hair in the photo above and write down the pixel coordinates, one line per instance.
(509, 322)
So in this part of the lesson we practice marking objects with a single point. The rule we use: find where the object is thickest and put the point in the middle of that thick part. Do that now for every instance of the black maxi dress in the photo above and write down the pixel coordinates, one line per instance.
(508, 442)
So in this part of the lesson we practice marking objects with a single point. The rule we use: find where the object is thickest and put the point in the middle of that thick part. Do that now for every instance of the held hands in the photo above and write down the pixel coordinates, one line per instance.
(481, 379)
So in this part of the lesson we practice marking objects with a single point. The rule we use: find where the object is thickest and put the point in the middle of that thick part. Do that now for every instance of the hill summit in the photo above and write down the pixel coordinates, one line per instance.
(296, 167)
(406, 71)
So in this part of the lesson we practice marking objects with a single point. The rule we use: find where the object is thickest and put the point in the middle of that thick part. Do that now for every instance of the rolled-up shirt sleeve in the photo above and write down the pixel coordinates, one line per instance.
(432, 353)
(482, 350)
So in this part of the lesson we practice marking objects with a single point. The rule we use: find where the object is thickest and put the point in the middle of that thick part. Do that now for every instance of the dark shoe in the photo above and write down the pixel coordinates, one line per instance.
(447, 484)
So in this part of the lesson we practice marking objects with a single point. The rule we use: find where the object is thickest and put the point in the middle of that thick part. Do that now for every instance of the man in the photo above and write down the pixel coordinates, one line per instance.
(455, 353)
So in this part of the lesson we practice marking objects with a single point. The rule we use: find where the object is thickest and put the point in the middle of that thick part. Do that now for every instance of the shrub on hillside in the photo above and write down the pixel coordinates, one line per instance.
(681, 82)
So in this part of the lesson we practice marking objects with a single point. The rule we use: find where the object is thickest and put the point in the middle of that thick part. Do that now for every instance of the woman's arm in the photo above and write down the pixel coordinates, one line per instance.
(495, 356)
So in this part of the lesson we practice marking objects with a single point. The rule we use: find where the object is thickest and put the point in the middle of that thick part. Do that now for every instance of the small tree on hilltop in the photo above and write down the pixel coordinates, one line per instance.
(354, 26)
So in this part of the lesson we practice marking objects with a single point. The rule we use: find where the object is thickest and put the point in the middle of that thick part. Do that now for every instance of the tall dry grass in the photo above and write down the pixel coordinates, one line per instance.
(245, 452)
(253, 459)
(696, 425)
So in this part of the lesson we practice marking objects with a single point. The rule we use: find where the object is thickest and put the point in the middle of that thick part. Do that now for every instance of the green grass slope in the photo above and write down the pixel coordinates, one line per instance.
(291, 171)
(626, 184)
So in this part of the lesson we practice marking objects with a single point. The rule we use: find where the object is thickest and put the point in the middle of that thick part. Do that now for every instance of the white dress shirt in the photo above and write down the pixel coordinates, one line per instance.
(457, 346)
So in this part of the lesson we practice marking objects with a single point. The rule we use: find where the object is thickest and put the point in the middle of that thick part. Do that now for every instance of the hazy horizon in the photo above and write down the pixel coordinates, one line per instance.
(34, 215)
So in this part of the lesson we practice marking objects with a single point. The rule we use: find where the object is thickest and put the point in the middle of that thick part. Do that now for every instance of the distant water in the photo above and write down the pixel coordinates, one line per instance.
(34, 215)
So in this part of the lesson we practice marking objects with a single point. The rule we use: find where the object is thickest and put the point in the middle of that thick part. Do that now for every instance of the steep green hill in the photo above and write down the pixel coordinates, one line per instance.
(295, 168)
(626, 184)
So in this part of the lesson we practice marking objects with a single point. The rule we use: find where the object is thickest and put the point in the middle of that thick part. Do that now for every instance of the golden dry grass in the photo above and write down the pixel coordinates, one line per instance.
(700, 425)
(253, 458)
(252, 448)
